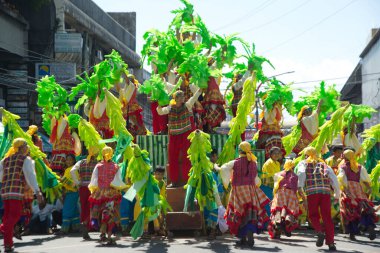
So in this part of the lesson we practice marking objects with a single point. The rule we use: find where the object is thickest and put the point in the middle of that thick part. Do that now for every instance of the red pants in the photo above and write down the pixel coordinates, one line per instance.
(12, 213)
(321, 204)
(84, 194)
(160, 122)
(178, 161)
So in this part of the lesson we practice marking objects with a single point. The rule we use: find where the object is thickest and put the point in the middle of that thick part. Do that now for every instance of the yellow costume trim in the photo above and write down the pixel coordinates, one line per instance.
(311, 152)
(16, 144)
(246, 147)
(300, 114)
(107, 153)
(350, 156)
(32, 130)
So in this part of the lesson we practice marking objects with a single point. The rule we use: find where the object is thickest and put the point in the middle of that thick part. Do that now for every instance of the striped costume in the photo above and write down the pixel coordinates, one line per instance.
(356, 209)
(245, 211)
(285, 205)
(105, 187)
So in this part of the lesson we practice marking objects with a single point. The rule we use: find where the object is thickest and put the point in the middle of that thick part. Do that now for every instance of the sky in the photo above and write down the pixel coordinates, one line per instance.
(317, 39)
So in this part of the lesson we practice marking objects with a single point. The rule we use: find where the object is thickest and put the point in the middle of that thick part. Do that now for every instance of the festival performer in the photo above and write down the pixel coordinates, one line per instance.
(309, 123)
(105, 197)
(356, 209)
(276, 97)
(245, 211)
(350, 140)
(285, 205)
(180, 126)
(16, 171)
(33, 132)
(270, 168)
(70, 212)
(159, 223)
(334, 160)
(81, 174)
(213, 103)
(132, 111)
(315, 178)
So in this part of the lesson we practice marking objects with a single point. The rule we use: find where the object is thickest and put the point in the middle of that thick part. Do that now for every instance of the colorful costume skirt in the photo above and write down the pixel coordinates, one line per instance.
(105, 202)
(357, 210)
(284, 212)
(245, 211)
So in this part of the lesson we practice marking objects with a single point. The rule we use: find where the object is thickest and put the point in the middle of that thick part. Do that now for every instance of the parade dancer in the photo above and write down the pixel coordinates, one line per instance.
(131, 109)
(309, 123)
(105, 198)
(81, 174)
(180, 126)
(285, 204)
(245, 211)
(316, 179)
(270, 168)
(16, 171)
(70, 212)
(356, 209)
(334, 160)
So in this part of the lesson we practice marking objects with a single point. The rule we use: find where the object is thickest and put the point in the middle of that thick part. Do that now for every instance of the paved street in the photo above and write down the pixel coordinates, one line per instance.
(298, 243)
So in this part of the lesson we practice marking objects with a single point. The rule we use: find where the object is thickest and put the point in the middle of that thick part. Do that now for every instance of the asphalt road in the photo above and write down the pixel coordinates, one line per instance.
(301, 242)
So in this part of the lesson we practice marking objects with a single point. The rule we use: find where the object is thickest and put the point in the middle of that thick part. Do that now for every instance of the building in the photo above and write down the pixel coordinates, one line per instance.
(60, 37)
(363, 86)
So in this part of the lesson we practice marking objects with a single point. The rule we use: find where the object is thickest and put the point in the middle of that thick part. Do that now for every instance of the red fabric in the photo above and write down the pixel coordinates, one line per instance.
(178, 161)
(12, 213)
(244, 172)
(160, 122)
(351, 176)
(84, 194)
(304, 141)
(106, 173)
(321, 203)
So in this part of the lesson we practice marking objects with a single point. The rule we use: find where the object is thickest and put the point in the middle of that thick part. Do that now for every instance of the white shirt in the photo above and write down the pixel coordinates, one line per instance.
(42, 213)
(311, 123)
(28, 169)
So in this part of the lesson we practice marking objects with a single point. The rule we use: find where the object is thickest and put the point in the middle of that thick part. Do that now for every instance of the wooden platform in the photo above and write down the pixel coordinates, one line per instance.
(177, 219)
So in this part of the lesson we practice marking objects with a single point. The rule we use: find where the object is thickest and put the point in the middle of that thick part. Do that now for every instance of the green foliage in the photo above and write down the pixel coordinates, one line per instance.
(328, 95)
(52, 98)
(200, 176)
(239, 123)
(184, 15)
(106, 74)
(226, 51)
(73, 120)
(155, 88)
(356, 114)
(277, 93)
(256, 62)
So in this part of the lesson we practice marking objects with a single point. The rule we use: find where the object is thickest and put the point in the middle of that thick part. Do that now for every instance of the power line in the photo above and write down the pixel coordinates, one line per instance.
(311, 27)
(275, 19)
(249, 14)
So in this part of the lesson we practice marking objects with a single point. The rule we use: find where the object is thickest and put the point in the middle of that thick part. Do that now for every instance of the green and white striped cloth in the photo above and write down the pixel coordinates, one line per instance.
(157, 146)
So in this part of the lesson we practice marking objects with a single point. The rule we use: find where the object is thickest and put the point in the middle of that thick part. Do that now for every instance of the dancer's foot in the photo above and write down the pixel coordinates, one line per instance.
(321, 238)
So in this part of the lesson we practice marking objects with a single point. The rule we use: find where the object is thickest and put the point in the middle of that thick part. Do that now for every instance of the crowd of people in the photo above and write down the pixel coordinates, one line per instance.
(98, 178)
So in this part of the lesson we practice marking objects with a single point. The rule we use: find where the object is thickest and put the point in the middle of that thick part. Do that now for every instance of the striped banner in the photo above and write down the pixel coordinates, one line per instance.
(157, 146)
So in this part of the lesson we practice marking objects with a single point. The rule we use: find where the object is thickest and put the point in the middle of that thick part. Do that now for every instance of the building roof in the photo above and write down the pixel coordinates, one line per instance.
(352, 90)
(372, 42)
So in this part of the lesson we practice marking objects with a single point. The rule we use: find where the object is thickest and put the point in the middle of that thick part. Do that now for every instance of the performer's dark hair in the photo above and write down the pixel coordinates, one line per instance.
(336, 148)
(274, 149)
(214, 152)
(159, 168)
